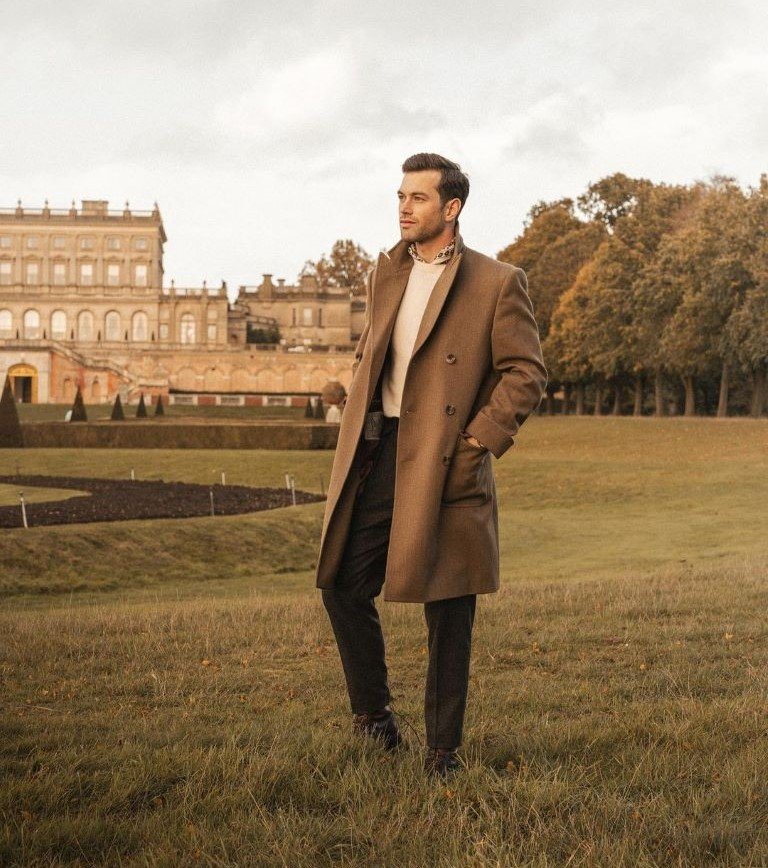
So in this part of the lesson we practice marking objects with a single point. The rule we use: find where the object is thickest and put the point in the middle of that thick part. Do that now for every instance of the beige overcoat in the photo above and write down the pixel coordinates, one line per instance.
(476, 367)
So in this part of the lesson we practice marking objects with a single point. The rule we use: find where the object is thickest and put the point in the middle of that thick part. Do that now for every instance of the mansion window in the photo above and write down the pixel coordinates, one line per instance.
(139, 326)
(31, 242)
(306, 316)
(59, 242)
(86, 243)
(163, 331)
(113, 274)
(58, 325)
(113, 243)
(187, 329)
(31, 324)
(86, 274)
(85, 326)
(33, 273)
(211, 331)
(6, 324)
(140, 273)
(112, 326)
(140, 244)
(59, 273)
(5, 241)
(6, 269)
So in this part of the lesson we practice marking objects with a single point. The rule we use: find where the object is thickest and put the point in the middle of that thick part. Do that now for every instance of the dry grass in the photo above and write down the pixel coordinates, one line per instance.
(184, 705)
(611, 723)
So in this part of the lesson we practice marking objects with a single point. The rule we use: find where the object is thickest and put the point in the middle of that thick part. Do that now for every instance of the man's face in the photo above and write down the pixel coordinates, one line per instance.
(422, 217)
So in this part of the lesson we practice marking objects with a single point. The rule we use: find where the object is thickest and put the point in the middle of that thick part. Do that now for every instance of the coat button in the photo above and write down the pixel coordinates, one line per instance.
(450, 409)
(451, 359)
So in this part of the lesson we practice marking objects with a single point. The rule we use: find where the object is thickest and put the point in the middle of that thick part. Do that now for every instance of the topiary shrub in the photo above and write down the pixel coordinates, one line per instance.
(141, 410)
(309, 413)
(78, 408)
(118, 414)
(319, 409)
(159, 409)
(10, 427)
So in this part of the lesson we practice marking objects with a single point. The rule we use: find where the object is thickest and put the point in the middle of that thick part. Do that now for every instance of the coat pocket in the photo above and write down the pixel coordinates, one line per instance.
(469, 480)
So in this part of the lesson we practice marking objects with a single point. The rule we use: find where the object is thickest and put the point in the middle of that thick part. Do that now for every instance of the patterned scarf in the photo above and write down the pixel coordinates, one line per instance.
(443, 256)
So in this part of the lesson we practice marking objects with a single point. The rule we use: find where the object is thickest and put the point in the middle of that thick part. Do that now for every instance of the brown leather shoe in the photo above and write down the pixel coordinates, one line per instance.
(441, 763)
(380, 725)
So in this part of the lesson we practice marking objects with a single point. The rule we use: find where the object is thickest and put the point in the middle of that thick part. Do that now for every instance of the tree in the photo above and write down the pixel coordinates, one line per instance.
(159, 408)
(611, 198)
(547, 222)
(10, 427)
(747, 328)
(141, 410)
(346, 267)
(708, 261)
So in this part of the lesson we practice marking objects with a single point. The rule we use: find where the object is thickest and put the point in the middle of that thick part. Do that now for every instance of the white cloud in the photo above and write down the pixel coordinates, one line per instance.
(266, 131)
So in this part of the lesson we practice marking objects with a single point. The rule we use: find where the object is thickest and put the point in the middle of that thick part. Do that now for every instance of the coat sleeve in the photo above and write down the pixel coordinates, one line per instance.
(518, 365)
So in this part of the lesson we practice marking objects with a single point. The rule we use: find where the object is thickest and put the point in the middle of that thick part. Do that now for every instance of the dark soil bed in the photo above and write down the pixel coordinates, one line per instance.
(118, 500)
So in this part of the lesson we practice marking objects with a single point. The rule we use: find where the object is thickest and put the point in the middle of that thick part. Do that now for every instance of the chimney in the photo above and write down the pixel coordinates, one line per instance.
(266, 288)
(94, 207)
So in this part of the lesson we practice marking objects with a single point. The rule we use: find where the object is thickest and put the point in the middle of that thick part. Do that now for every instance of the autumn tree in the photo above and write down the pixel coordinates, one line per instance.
(551, 249)
(346, 266)
(747, 327)
(708, 263)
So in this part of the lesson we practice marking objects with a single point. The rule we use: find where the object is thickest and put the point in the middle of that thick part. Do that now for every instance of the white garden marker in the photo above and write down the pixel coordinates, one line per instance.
(23, 509)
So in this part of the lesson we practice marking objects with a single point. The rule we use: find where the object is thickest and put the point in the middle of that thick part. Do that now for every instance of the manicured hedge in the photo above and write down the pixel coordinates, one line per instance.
(171, 435)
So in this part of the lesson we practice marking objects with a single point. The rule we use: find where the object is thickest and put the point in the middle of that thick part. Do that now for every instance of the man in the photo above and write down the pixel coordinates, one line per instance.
(447, 369)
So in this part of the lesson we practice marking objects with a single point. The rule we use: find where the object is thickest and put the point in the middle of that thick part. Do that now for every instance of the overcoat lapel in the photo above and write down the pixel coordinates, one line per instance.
(392, 272)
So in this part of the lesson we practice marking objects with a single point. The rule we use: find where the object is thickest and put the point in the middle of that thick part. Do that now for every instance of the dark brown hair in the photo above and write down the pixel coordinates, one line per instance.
(454, 184)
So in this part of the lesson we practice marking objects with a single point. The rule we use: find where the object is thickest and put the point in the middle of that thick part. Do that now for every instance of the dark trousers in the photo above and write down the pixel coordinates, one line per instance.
(355, 621)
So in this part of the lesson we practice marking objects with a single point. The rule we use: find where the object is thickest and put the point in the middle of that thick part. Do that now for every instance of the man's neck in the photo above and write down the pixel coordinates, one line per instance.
(428, 250)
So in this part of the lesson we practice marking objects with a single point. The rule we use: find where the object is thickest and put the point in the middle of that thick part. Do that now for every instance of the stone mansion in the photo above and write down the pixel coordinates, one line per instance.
(83, 303)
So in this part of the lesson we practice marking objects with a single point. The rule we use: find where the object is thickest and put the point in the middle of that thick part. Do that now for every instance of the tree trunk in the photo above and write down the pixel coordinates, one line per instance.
(579, 399)
(616, 400)
(722, 401)
(550, 402)
(758, 392)
(566, 399)
(690, 396)
(637, 409)
(658, 394)
(598, 411)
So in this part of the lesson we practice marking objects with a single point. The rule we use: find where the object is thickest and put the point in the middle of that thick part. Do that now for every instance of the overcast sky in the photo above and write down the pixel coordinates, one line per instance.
(267, 130)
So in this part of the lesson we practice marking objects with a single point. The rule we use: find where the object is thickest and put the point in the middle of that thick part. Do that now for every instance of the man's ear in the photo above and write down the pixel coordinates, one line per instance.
(451, 209)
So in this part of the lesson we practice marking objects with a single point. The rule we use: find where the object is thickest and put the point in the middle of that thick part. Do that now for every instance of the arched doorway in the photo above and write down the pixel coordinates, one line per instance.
(23, 383)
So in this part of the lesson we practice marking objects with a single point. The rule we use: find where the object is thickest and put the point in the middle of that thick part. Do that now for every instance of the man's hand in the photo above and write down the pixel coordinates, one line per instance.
(473, 441)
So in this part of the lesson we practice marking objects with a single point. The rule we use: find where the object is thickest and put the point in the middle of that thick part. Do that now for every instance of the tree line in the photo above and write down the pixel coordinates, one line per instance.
(651, 297)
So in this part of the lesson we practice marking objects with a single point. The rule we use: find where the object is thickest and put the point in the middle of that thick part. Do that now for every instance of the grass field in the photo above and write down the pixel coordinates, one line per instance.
(171, 694)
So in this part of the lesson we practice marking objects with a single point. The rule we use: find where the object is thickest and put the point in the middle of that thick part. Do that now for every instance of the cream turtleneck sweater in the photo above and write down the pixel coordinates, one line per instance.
(423, 277)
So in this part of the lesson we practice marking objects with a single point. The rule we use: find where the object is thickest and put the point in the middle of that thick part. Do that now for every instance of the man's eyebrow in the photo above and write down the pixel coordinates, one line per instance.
(416, 193)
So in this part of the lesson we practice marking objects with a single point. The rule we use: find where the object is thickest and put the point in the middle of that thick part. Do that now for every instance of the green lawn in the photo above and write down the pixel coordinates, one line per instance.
(171, 693)
(9, 494)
